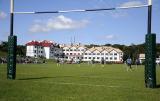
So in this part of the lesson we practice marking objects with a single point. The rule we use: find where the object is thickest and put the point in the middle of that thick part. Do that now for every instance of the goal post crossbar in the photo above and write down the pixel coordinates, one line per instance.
(82, 10)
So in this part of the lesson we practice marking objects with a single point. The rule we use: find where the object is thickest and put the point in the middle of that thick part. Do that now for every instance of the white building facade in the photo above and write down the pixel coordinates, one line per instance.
(44, 48)
(75, 51)
(109, 54)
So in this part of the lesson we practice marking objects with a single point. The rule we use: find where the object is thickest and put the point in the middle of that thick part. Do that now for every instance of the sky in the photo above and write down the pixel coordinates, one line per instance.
(127, 26)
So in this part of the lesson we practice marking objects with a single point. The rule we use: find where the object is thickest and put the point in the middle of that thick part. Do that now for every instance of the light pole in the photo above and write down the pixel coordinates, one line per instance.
(12, 46)
(150, 52)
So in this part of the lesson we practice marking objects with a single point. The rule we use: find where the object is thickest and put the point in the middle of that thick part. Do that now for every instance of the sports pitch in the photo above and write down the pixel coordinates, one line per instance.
(71, 82)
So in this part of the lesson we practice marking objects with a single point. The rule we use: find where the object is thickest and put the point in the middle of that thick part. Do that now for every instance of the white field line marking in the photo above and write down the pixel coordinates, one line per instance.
(78, 84)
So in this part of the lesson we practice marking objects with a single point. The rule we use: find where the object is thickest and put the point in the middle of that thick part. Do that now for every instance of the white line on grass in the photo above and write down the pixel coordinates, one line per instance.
(77, 84)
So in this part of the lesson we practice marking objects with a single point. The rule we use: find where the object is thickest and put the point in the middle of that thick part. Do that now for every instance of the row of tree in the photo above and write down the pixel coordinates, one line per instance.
(21, 49)
(131, 51)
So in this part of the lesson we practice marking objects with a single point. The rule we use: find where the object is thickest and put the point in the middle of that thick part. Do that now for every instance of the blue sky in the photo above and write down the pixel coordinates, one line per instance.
(114, 27)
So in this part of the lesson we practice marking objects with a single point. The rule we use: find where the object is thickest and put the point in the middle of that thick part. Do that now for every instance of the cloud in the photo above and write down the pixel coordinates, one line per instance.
(118, 14)
(3, 15)
(108, 37)
(131, 3)
(58, 23)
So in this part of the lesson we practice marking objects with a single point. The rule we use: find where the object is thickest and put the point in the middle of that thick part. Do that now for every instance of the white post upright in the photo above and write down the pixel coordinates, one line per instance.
(149, 2)
(11, 17)
(12, 46)
(12, 6)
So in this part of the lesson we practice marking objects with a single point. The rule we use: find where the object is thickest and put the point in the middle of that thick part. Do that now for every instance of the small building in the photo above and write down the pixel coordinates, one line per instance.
(141, 58)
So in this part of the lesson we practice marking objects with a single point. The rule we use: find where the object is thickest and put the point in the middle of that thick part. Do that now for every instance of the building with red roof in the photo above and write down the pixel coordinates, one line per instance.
(45, 48)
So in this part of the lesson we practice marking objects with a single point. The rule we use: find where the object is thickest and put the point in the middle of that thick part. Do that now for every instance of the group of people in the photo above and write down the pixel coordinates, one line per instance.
(129, 63)
(59, 61)
(23, 60)
(78, 61)
(102, 62)
(3, 60)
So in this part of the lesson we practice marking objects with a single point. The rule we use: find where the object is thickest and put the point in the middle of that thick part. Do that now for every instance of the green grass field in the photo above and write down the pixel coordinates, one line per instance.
(47, 82)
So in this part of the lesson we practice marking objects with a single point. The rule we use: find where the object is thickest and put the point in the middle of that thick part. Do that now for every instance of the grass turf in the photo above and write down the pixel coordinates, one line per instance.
(69, 82)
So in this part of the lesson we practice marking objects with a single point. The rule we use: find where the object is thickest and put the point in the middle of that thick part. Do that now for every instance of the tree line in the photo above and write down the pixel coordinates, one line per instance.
(131, 51)
(21, 49)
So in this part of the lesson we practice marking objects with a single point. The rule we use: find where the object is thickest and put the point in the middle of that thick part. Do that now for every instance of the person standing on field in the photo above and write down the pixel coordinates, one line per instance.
(102, 62)
(58, 64)
(129, 63)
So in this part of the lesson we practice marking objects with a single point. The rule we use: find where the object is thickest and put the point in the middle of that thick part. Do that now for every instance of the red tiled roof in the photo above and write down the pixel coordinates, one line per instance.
(33, 43)
(44, 43)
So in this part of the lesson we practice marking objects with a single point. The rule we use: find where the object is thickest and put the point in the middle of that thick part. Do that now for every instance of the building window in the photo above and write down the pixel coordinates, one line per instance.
(41, 51)
(94, 54)
(115, 53)
(35, 46)
(93, 57)
(106, 53)
(89, 57)
(102, 53)
(89, 53)
(97, 57)
(111, 53)
(98, 53)
(70, 53)
(111, 58)
(115, 58)
(35, 51)
(67, 49)
(85, 53)
(71, 50)
(106, 58)
(85, 57)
